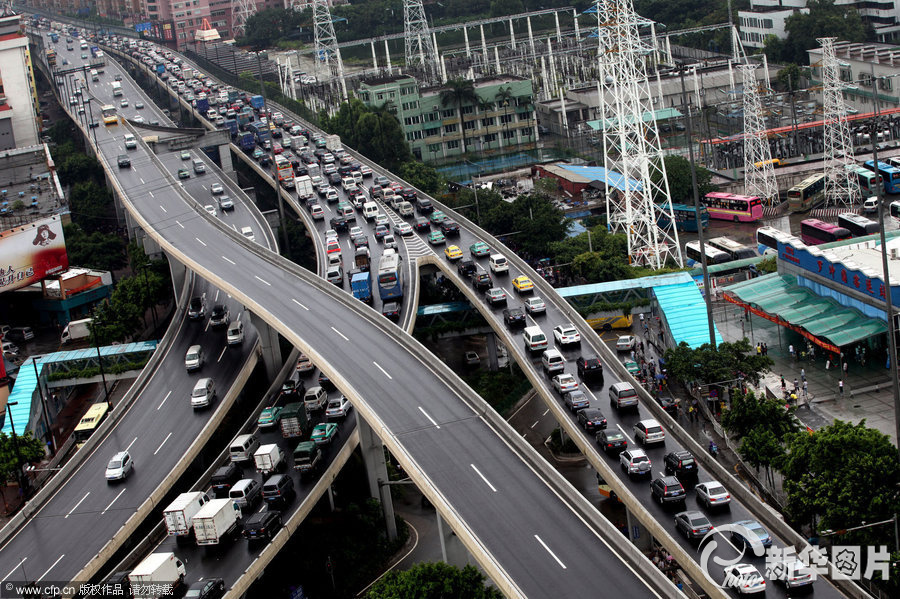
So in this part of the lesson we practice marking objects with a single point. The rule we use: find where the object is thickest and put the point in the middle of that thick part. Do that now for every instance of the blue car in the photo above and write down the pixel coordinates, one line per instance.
(750, 533)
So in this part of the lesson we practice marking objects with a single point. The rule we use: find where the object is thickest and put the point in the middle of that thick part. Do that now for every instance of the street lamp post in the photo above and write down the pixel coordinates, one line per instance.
(475, 189)
(20, 476)
(100, 360)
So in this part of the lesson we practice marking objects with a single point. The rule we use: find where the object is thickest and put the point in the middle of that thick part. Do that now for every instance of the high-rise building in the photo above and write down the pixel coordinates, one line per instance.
(502, 115)
(18, 97)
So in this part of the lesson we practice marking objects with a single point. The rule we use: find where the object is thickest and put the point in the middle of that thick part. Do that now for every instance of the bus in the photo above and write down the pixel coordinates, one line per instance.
(390, 277)
(713, 256)
(735, 250)
(685, 218)
(95, 415)
(889, 174)
(109, 115)
(813, 232)
(117, 88)
(895, 211)
(737, 208)
(858, 225)
(807, 193)
(775, 162)
(767, 238)
(867, 179)
(51, 57)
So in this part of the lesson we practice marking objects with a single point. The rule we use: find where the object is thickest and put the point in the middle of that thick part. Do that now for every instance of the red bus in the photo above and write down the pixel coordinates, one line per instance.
(814, 232)
(737, 208)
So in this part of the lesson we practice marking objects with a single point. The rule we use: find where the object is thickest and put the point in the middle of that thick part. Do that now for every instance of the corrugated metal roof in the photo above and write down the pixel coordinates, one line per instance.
(685, 312)
(643, 283)
(598, 173)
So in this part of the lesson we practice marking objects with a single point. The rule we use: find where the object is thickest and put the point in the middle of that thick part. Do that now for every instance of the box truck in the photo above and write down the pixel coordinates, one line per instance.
(151, 577)
(293, 420)
(180, 514)
(268, 458)
(304, 187)
(75, 330)
(218, 519)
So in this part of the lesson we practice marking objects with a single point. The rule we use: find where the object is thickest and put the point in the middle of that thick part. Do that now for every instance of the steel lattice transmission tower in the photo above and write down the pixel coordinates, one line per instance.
(420, 51)
(241, 11)
(759, 175)
(328, 54)
(632, 145)
(839, 187)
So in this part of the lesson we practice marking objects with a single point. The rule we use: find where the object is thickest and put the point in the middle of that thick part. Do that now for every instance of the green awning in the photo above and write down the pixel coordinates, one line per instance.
(782, 300)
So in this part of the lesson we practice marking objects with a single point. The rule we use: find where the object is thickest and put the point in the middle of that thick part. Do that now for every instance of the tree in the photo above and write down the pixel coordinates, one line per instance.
(678, 174)
(77, 168)
(825, 19)
(747, 412)
(725, 363)
(103, 251)
(375, 133)
(433, 581)
(422, 176)
(504, 97)
(29, 450)
(842, 476)
(458, 92)
(788, 78)
(762, 449)
(92, 207)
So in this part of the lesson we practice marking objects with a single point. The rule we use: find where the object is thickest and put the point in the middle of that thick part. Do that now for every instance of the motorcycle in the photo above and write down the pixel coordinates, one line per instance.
(713, 449)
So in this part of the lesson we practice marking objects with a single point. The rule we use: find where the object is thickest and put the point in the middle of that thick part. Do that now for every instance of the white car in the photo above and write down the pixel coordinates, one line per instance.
(382, 219)
(354, 232)
(304, 364)
(247, 232)
(138, 119)
(535, 305)
(119, 467)
(745, 579)
(625, 343)
(566, 334)
(139, 105)
(792, 573)
(403, 229)
(635, 461)
(216, 189)
(563, 383)
(712, 494)
(210, 209)
(337, 407)
(123, 104)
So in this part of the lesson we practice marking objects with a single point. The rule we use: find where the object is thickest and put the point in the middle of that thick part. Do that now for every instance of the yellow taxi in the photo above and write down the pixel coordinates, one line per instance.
(523, 284)
(453, 253)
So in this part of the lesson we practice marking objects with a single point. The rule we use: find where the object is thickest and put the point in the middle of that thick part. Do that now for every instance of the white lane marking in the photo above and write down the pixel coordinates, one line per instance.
(208, 322)
(263, 281)
(142, 181)
(201, 241)
(227, 260)
(222, 354)
(484, 478)
(544, 545)
(161, 444)
(239, 316)
(130, 444)
(383, 370)
(299, 304)
(430, 419)
(14, 569)
(619, 426)
(727, 540)
(179, 224)
(163, 208)
(545, 412)
(217, 296)
(151, 194)
(535, 423)
(75, 507)
(339, 333)
(112, 502)
(44, 575)
(588, 391)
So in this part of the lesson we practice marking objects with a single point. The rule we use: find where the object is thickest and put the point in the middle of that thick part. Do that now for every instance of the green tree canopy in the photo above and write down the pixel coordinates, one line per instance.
(422, 176)
(268, 26)
(842, 476)
(30, 450)
(748, 412)
(711, 366)
(92, 207)
(457, 93)
(104, 251)
(678, 173)
(825, 19)
(433, 581)
(377, 134)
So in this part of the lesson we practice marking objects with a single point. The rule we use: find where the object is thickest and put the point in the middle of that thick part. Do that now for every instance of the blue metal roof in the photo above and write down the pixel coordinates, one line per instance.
(24, 390)
(685, 312)
(598, 173)
(652, 281)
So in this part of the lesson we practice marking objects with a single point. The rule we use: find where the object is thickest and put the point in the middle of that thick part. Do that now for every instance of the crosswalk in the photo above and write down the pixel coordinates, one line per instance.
(416, 247)
(831, 212)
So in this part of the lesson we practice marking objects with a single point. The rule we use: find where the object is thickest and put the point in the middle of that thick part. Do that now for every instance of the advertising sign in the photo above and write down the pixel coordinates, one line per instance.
(30, 253)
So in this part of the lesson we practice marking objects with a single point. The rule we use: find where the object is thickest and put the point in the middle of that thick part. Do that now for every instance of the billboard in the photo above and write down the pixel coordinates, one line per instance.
(30, 253)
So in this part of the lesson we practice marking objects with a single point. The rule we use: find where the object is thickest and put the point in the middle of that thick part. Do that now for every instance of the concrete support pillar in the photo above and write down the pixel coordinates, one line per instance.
(530, 36)
(558, 30)
(387, 54)
(639, 535)
(493, 358)
(466, 38)
(268, 341)
(512, 35)
(577, 31)
(227, 163)
(484, 50)
(374, 56)
(376, 471)
(440, 524)
(178, 271)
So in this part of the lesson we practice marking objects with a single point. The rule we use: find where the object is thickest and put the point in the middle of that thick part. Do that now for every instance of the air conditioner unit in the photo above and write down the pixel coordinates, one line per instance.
(895, 253)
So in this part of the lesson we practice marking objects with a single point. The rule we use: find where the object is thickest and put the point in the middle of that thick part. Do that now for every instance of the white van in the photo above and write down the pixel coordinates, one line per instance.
(130, 141)
(535, 339)
(245, 493)
(623, 395)
(405, 209)
(243, 447)
(348, 183)
(370, 210)
(235, 334)
(193, 359)
(870, 206)
(499, 264)
(203, 394)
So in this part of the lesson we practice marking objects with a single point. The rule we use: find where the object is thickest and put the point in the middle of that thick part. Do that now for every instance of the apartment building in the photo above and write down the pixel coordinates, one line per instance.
(18, 96)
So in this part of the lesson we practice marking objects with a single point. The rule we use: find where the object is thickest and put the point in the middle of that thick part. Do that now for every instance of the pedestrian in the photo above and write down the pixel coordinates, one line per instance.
(791, 350)
(758, 349)
(796, 385)
(805, 391)
(812, 353)
(841, 387)
(783, 385)
(765, 349)
(803, 374)
(846, 365)
(641, 316)
(632, 355)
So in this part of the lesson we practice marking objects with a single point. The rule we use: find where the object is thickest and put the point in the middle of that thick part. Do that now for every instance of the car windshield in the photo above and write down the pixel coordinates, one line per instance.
(192, 356)
(114, 464)
(715, 489)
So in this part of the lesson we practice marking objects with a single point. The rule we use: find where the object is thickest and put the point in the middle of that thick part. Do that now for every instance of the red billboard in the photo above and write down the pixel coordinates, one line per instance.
(32, 252)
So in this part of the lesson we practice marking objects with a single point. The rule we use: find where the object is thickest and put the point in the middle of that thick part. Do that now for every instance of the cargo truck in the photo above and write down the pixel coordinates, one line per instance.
(361, 286)
(247, 141)
(180, 513)
(203, 105)
(76, 330)
(233, 96)
(257, 102)
(218, 519)
(307, 457)
(187, 73)
(151, 577)
(304, 187)
(117, 88)
(268, 458)
(232, 126)
(243, 120)
(293, 420)
(333, 142)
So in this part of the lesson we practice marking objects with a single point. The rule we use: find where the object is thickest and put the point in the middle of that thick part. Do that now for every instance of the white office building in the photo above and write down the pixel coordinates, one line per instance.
(18, 110)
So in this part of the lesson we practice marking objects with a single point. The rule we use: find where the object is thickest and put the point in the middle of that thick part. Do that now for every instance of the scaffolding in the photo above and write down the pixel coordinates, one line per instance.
(759, 173)
(632, 145)
(840, 187)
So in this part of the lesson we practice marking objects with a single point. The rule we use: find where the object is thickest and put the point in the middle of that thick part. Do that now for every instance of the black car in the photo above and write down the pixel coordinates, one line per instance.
(124, 161)
(325, 382)
(360, 241)
(514, 317)
(219, 316)
(466, 268)
(223, 479)
(591, 420)
(589, 368)
(449, 228)
(422, 225)
(391, 310)
(206, 589)
(693, 524)
(334, 178)
(197, 308)
(311, 201)
(262, 525)
(265, 160)
(668, 404)
(339, 224)
(408, 194)
(667, 490)
(681, 464)
(293, 387)
(424, 206)
(612, 441)
(482, 281)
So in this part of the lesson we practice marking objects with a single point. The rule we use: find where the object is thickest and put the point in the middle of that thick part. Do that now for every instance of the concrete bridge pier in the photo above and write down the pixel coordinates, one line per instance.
(376, 471)
(268, 342)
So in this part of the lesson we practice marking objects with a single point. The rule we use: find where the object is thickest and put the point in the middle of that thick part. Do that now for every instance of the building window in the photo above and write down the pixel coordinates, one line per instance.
(506, 119)
(488, 122)
(434, 148)
(413, 135)
(411, 120)
(865, 80)
(432, 132)
(448, 114)
(885, 84)
(470, 125)
(468, 109)
(846, 75)
(450, 128)
(487, 107)
(453, 144)
(490, 138)
(432, 116)
(510, 134)
(410, 106)
(526, 131)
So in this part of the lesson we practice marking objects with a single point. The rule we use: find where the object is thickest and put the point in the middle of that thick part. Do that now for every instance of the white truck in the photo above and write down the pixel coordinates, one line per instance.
(304, 187)
(187, 73)
(179, 516)
(218, 519)
(333, 142)
(151, 577)
(297, 142)
(75, 330)
(117, 88)
(268, 458)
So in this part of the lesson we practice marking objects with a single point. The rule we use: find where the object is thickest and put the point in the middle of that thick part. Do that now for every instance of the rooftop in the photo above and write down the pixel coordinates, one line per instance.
(374, 81)
(26, 176)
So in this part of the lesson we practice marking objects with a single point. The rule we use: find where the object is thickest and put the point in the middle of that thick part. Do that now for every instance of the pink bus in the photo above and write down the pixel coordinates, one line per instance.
(728, 206)
(815, 232)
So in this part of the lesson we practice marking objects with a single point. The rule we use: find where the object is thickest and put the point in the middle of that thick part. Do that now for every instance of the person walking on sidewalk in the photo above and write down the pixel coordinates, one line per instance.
(783, 385)
(805, 394)
(791, 350)
(796, 385)
(758, 349)
(841, 387)
(803, 374)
